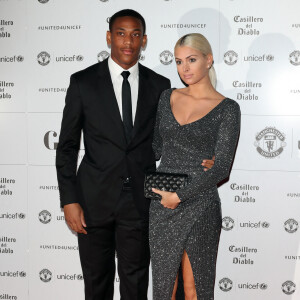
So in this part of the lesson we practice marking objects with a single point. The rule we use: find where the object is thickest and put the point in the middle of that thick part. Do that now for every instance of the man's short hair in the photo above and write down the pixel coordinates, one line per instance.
(127, 13)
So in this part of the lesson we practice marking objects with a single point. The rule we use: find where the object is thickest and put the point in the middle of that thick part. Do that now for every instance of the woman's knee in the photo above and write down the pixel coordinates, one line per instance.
(190, 292)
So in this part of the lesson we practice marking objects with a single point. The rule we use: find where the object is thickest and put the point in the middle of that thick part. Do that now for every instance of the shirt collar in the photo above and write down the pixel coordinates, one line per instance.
(116, 70)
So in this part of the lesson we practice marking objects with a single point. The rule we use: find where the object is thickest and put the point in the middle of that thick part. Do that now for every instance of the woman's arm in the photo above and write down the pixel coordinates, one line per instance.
(224, 151)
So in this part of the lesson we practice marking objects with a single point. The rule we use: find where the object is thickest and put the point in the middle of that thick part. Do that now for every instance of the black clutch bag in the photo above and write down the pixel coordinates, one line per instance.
(169, 182)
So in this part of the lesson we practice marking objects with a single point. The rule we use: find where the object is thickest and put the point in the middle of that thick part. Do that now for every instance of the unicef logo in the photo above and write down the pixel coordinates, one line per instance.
(141, 57)
(104, 0)
(295, 58)
(21, 216)
(270, 57)
(20, 58)
(43, 58)
(225, 284)
(45, 216)
(102, 55)
(227, 223)
(45, 275)
(291, 226)
(270, 142)
(79, 58)
(22, 274)
(288, 287)
(265, 225)
(166, 57)
(43, 1)
(263, 286)
(79, 277)
(230, 57)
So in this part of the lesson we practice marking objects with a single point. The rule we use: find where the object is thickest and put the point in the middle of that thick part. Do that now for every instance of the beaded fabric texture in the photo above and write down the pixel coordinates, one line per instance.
(195, 224)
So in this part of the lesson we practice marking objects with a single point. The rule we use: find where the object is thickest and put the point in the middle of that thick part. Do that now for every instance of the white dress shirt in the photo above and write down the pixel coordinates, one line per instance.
(117, 81)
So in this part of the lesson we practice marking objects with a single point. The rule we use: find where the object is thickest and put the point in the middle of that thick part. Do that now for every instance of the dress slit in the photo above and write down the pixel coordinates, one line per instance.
(178, 263)
(180, 287)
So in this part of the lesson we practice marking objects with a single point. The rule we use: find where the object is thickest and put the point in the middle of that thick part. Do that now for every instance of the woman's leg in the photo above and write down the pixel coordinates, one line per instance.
(188, 278)
(175, 288)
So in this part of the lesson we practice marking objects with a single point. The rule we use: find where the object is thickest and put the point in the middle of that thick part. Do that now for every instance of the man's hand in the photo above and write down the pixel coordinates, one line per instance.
(208, 164)
(74, 217)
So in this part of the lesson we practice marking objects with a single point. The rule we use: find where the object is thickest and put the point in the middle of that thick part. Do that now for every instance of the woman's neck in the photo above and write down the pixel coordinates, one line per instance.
(201, 89)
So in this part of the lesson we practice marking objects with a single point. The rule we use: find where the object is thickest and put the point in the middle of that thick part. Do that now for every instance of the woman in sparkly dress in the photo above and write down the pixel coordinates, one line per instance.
(192, 123)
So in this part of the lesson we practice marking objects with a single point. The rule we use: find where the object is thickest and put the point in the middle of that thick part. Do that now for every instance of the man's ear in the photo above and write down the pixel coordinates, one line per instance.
(108, 38)
(145, 39)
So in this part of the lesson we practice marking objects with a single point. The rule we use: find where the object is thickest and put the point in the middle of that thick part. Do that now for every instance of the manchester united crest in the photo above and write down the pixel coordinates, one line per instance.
(45, 216)
(288, 287)
(270, 142)
(45, 275)
(227, 223)
(102, 55)
(295, 58)
(166, 57)
(230, 57)
(43, 58)
(291, 226)
(225, 284)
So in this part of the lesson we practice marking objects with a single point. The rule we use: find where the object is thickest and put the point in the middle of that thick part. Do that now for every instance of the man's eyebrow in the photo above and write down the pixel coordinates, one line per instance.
(136, 29)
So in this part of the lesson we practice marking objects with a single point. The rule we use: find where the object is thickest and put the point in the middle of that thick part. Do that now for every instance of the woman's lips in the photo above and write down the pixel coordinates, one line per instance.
(187, 76)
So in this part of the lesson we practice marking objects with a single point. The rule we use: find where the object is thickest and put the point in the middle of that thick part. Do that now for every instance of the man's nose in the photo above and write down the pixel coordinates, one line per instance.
(128, 39)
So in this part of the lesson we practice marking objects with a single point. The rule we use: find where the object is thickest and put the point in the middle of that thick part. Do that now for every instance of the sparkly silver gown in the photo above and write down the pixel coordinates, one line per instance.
(195, 224)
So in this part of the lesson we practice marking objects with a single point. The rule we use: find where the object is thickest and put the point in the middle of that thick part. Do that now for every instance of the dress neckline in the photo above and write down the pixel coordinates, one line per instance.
(183, 125)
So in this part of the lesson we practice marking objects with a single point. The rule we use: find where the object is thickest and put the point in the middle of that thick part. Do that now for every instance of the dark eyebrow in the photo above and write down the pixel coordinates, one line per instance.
(137, 29)
(187, 56)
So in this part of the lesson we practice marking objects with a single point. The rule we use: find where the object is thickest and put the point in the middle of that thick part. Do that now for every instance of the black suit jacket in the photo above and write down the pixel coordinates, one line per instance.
(91, 107)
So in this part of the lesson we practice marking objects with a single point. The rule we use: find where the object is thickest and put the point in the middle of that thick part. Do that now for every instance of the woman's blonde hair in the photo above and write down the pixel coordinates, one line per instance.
(199, 42)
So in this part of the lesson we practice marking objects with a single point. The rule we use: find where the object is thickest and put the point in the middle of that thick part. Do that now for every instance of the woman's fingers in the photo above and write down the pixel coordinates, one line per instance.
(207, 163)
(157, 191)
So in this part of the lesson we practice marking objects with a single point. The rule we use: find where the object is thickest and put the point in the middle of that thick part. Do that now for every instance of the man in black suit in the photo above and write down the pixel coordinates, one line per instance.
(114, 103)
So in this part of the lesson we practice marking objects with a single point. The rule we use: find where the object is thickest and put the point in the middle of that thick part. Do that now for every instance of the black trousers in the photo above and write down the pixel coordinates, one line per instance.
(124, 234)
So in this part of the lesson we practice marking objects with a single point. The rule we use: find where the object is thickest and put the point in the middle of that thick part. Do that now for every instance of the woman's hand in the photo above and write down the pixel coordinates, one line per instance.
(208, 163)
(169, 199)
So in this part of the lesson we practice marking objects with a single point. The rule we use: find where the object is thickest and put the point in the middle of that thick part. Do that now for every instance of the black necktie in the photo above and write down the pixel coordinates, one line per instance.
(126, 106)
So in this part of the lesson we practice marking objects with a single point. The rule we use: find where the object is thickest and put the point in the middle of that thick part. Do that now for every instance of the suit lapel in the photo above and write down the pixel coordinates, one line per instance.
(143, 106)
(108, 98)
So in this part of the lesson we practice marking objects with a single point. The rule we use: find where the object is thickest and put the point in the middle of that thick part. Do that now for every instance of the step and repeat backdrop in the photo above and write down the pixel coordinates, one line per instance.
(256, 48)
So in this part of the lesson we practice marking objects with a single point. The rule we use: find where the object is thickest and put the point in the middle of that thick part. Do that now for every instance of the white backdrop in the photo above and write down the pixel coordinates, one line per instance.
(256, 48)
